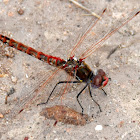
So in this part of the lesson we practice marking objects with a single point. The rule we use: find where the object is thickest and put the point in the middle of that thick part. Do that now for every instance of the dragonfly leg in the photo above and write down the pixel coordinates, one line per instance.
(93, 99)
(61, 82)
(79, 95)
(104, 92)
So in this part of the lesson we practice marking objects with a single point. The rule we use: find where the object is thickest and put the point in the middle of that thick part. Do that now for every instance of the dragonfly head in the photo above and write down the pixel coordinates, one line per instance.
(100, 80)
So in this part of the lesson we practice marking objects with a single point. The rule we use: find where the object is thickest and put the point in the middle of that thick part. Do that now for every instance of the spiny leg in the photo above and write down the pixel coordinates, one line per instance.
(61, 82)
(93, 99)
(79, 95)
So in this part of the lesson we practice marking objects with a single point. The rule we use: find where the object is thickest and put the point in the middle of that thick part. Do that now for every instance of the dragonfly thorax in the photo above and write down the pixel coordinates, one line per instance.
(82, 72)
(71, 65)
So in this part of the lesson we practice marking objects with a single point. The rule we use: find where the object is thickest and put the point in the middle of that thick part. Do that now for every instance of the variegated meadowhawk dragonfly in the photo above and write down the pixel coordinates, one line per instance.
(74, 67)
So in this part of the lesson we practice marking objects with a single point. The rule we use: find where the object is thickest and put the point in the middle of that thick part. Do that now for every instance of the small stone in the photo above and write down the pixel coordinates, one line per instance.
(26, 138)
(27, 76)
(14, 79)
(9, 52)
(1, 116)
(10, 14)
(20, 11)
(98, 127)
(3, 75)
(6, 1)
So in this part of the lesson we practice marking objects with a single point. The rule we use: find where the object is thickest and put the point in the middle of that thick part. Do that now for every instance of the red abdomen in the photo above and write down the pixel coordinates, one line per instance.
(55, 61)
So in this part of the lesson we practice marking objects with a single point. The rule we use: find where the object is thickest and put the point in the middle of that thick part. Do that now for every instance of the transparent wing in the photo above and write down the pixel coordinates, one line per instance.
(27, 96)
(113, 30)
(92, 25)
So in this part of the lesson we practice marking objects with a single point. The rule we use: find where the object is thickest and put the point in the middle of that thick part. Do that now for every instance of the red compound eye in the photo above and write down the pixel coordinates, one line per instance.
(97, 81)
(105, 81)
(100, 80)
(101, 72)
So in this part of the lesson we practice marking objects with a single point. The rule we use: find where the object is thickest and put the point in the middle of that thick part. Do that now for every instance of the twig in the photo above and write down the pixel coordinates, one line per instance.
(83, 7)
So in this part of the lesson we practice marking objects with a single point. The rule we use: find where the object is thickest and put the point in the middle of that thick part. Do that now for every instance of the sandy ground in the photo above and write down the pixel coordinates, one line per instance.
(53, 27)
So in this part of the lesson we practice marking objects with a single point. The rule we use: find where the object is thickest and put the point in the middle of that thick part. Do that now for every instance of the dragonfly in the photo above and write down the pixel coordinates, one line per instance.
(74, 67)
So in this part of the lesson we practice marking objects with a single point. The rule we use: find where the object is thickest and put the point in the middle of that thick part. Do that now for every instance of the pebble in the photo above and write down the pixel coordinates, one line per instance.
(1, 116)
(98, 127)
(14, 79)
(20, 11)
(6, 1)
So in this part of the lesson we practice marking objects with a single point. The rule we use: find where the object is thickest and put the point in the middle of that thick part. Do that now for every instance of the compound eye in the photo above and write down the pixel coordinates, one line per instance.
(101, 72)
(97, 80)
(105, 81)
